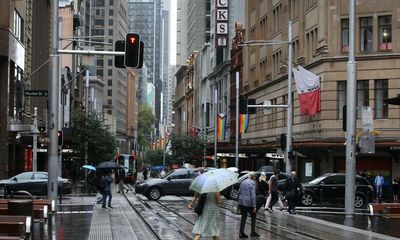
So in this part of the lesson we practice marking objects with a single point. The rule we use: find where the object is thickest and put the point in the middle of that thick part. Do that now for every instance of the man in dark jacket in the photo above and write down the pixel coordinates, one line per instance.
(107, 189)
(293, 189)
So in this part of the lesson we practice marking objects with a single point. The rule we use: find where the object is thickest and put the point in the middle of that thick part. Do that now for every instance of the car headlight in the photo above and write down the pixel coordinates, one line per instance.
(141, 184)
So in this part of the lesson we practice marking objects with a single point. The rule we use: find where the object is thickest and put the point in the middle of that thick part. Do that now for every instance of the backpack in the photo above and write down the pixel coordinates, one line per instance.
(101, 185)
(200, 204)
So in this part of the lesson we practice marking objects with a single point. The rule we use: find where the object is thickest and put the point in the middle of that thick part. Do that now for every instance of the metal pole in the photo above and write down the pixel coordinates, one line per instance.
(237, 122)
(34, 147)
(205, 131)
(351, 115)
(52, 185)
(87, 115)
(215, 124)
(289, 104)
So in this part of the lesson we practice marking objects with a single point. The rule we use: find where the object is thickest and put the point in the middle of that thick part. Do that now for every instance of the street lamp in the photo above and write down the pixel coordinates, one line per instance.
(289, 93)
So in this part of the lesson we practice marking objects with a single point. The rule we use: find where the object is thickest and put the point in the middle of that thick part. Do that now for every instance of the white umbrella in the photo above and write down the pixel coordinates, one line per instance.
(233, 169)
(214, 181)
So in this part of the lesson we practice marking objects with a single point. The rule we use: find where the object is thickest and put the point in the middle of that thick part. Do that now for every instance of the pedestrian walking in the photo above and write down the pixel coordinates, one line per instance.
(261, 191)
(379, 180)
(208, 223)
(107, 189)
(293, 189)
(145, 172)
(273, 190)
(196, 194)
(247, 204)
(279, 202)
(395, 189)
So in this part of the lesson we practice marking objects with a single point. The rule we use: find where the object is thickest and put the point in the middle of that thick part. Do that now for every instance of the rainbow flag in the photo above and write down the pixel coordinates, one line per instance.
(221, 124)
(243, 123)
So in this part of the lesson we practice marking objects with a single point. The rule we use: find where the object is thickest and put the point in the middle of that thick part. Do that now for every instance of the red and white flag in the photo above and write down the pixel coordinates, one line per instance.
(308, 89)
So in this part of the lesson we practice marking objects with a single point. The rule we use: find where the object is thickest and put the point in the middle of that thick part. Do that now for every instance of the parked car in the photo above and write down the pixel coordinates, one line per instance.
(330, 188)
(232, 192)
(33, 182)
(176, 182)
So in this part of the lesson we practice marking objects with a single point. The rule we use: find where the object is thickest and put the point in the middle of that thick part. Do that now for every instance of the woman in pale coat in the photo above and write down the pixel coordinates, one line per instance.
(208, 224)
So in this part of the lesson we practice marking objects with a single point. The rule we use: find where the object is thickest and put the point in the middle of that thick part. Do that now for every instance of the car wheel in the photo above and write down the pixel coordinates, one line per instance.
(154, 194)
(307, 199)
(359, 201)
(3, 191)
(233, 194)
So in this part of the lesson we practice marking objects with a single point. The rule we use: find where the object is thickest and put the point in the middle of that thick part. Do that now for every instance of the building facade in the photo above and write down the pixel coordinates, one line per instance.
(320, 44)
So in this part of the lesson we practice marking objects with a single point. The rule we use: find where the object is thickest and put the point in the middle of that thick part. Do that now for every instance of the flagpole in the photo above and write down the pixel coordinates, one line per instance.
(215, 125)
(237, 123)
(289, 118)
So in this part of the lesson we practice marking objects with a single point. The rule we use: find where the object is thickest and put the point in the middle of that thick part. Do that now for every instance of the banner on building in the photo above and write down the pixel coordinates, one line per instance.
(243, 123)
(221, 23)
(221, 124)
(308, 90)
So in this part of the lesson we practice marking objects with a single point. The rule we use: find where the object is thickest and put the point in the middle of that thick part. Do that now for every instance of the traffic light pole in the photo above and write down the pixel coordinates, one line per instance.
(52, 165)
(289, 119)
(34, 147)
(237, 122)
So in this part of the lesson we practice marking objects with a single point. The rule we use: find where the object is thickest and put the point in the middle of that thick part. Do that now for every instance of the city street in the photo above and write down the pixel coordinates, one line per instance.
(135, 217)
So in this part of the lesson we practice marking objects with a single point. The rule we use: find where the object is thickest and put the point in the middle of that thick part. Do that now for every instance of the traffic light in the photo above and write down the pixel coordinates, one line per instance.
(242, 104)
(60, 137)
(132, 50)
(119, 60)
(283, 142)
(251, 101)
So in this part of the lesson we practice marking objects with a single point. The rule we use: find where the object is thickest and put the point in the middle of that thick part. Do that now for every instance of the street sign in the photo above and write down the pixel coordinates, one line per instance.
(36, 93)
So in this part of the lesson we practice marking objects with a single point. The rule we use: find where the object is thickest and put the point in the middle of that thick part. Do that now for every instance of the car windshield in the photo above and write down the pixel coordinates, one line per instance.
(318, 179)
(169, 173)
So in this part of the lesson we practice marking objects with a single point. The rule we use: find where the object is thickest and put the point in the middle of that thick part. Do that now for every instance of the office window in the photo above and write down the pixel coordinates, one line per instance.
(109, 72)
(110, 32)
(345, 35)
(362, 95)
(111, 2)
(111, 22)
(100, 62)
(109, 102)
(109, 62)
(342, 97)
(109, 83)
(98, 22)
(381, 93)
(294, 9)
(109, 112)
(100, 72)
(312, 37)
(109, 92)
(111, 12)
(277, 18)
(99, 3)
(276, 58)
(366, 34)
(18, 28)
(385, 33)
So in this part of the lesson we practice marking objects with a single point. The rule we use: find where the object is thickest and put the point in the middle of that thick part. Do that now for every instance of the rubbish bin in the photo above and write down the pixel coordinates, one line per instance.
(21, 207)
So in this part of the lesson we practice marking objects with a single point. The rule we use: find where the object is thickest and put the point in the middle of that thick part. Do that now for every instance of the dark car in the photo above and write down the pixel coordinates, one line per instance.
(330, 188)
(176, 182)
(232, 192)
(33, 182)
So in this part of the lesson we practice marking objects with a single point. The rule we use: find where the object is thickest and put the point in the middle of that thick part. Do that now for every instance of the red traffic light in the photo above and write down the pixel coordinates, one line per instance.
(132, 50)
(133, 40)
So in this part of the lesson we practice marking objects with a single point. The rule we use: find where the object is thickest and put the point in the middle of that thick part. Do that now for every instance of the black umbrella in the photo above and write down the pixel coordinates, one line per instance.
(109, 165)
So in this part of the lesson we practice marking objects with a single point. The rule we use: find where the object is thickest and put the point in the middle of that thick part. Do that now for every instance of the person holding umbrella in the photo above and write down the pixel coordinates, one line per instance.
(209, 186)
(107, 189)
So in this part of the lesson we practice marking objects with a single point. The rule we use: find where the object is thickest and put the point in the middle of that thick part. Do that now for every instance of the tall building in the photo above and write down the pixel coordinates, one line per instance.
(165, 67)
(181, 32)
(108, 24)
(320, 44)
(145, 18)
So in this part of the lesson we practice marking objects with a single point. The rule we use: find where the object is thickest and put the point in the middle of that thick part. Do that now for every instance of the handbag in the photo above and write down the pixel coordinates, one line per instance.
(290, 193)
(200, 204)
(235, 208)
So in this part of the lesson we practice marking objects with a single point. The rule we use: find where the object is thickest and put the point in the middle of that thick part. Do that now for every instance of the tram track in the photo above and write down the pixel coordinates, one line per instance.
(178, 230)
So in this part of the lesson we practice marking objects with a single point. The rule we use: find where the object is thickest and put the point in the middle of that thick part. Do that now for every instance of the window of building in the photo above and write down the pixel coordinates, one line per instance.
(100, 62)
(366, 34)
(110, 32)
(342, 96)
(109, 62)
(18, 28)
(385, 33)
(99, 3)
(276, 58)
(277, 18)
(110, 22)
(111, 12)
(311, 3)
(109, 72)
(109, 112)
(109, 102)
(362, 95)
(311, 37)
(111, 2)
(109, 92)
(98, 22)
(100, 72)
(296, 49)
(109, 82)
(381, 93)
(294, 9)
(345, 35)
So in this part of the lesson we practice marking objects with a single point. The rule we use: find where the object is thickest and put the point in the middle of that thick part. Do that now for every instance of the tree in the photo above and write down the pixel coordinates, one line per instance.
(188, 149)
(146, 123)
(91, 130)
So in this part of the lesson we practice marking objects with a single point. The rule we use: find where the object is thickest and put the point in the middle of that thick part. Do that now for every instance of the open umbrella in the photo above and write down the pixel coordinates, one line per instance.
(109, 165)
(233, 169)
(89, 167)
(214, 181)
